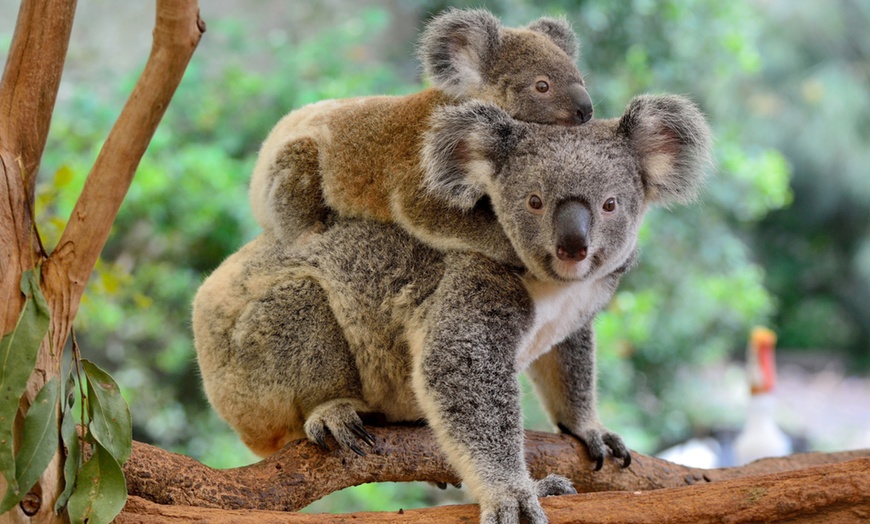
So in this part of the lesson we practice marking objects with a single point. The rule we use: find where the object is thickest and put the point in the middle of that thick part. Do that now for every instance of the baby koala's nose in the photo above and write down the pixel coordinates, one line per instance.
(583, 102)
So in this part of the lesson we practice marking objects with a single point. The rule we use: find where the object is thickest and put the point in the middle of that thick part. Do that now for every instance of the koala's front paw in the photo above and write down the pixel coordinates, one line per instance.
(598, 441)
(554, 485)
(513, 506)
(340, 418)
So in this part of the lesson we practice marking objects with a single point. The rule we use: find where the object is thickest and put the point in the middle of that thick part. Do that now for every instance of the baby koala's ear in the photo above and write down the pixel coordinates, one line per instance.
(559, 30)
(673, 142)
(464, 150)
(457, 47)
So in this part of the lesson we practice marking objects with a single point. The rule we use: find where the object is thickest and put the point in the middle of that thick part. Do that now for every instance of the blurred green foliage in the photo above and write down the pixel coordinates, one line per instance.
(785, 88)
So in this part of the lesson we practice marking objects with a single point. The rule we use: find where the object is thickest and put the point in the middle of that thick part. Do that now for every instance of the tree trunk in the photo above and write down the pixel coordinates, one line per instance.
(28, 91)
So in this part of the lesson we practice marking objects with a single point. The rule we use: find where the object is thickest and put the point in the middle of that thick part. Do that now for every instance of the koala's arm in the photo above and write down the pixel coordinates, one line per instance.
(447, 228)
(565, 378)
(466, 381)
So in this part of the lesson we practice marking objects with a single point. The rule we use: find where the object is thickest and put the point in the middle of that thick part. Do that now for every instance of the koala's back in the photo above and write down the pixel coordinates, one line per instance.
(237, 385)
(366, 148)
(280, 331)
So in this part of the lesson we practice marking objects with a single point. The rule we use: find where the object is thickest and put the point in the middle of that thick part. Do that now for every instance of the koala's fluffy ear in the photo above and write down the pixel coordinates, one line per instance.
(456, 47)
(464, 149)
(559, 30)
(673, 142)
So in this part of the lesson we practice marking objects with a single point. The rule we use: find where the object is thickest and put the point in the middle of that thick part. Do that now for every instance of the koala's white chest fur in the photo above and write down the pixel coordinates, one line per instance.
(560, 309)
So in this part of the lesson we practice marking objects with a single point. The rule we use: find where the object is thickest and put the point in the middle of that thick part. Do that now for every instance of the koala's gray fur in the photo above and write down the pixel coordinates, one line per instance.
(298, 340)
(359, 157)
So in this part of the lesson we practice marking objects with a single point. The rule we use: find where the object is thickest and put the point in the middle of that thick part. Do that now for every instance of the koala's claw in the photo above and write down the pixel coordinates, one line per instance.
(356, 449)
(338, 417)
(362, 434)
(599, 442)
(617, 448)
(319, 440)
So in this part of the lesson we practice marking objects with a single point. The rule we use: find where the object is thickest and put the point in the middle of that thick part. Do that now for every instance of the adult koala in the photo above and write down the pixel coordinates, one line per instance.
(295, 342)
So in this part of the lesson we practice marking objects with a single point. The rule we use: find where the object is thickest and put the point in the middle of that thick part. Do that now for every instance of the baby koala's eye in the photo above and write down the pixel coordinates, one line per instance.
(609, 205)
(535, 203)
(542, 86)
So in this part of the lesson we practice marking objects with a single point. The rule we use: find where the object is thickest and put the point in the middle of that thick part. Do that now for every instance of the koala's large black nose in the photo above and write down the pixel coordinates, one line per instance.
(571, 222)
(583, 102)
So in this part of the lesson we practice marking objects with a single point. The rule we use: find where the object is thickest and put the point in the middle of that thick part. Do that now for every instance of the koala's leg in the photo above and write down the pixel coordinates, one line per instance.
(295, 197)
(465, 378)
(565, 378)
(299, 367)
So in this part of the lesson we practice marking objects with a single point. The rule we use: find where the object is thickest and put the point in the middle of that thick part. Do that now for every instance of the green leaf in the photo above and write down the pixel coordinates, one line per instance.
(111, 424)
(100, 492)
(38, 443)
(71, 445)
(18, 351)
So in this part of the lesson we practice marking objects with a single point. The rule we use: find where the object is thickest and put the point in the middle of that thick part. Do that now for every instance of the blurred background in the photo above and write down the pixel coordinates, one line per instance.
(781, 237)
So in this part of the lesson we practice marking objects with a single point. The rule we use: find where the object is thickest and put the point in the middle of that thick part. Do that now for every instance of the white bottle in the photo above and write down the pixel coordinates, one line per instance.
(760, 436)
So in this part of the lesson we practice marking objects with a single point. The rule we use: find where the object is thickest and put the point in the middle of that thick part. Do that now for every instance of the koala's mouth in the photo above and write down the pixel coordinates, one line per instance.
(567, 271)
(570, 271)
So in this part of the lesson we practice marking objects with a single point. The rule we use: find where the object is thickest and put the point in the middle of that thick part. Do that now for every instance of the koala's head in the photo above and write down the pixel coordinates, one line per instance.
(570, 199)
(529, 72)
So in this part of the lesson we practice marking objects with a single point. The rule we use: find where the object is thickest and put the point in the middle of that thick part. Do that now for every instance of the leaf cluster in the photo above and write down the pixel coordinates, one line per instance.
(95, 491)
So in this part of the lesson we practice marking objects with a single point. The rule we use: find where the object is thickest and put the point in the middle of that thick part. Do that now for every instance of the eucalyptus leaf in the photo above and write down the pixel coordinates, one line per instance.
(38, 443)
(100, 492)
(18, 351)
(110, 424)
(71, 444)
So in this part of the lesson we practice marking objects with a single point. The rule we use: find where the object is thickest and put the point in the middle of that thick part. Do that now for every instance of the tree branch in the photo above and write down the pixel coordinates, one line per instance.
(302, 473)
(176, 34)
(28, 91)
(31, 79)
(829, 493)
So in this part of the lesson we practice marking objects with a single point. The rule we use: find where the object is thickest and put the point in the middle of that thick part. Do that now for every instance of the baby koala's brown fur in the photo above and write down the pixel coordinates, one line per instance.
(360, 157)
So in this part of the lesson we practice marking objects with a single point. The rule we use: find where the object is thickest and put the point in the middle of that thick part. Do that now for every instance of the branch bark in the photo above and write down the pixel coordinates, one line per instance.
(830, 493)
(176, 33)
(302, 473)
(28, 91)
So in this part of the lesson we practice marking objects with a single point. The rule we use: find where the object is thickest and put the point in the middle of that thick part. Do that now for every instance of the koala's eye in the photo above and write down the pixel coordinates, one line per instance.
(609, 205)
(542, 86)
(535, 203)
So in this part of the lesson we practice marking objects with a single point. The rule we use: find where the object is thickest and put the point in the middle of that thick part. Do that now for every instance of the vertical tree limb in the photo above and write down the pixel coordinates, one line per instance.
(176, 35)
(27, 95)
(28, 91)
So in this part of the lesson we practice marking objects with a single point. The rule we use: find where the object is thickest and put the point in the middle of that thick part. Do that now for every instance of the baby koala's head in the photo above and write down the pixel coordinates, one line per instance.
(529, 72)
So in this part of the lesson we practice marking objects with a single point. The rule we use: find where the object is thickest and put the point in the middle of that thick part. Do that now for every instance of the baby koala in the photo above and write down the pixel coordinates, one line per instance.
(297, 340)
(360, 157)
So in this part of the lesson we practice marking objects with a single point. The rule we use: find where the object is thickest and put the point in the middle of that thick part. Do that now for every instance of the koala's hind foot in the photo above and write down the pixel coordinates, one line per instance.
(338, 417)
(552, 485)
(601, 442)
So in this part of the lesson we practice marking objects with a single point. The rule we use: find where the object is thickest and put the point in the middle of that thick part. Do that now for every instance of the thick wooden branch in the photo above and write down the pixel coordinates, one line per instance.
(830, 493)
(28, 91)
(302, 473)
(31, 79)
(176, 34)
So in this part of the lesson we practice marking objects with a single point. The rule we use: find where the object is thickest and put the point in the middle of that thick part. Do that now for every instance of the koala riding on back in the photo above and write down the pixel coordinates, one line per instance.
(297, 340)
(360, 157)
